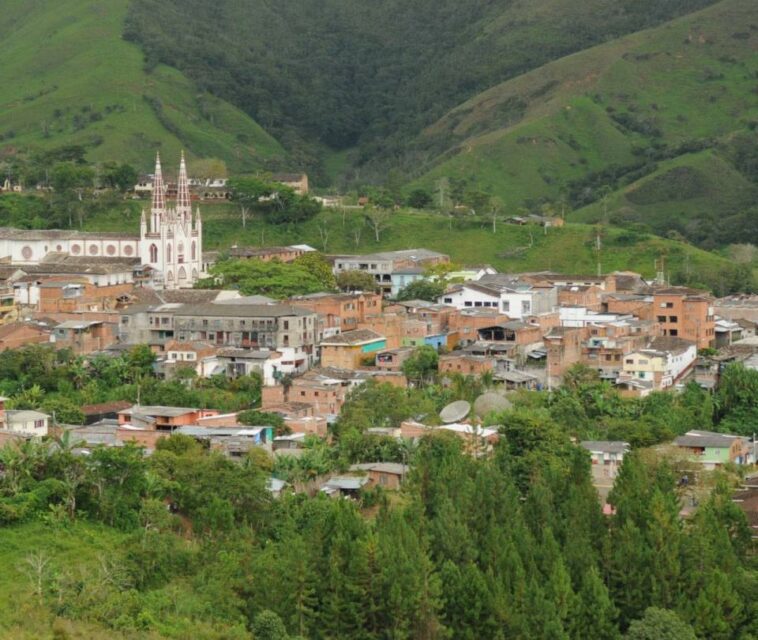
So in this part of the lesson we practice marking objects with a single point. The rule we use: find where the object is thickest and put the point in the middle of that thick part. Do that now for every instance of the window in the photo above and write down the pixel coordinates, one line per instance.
(673, 332)
(673, 319)
(661, 318)
(526, 306)
(448, 300)
(468, 303)
(506, 306)
(669, 305)
(153, 253)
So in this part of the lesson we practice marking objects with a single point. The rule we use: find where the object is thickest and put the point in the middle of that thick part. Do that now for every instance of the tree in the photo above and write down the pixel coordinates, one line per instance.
(495, 207)
(419, 199)
(421, 365)
(356, 280)
(378, 220)
(269, 626)
(249, 190)
(68, 177)
(274, 278)
(319, 266)
(596, 615)
(422, 289)
(140, 360)
(256, 418)
(717, 611)
(121, 177)
(660, 624)
(64, 410)
(37, 568)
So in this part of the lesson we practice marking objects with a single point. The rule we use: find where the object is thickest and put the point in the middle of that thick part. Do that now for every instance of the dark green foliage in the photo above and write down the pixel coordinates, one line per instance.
(737, 399)
(368, 74)
(422, 289)
(507, 545)
(421, 365)
(269, 626)
(256, 277)
(355, 280)
(256, 418)
(274, 202)
(119, 176)
(419, 199)
(660, 624)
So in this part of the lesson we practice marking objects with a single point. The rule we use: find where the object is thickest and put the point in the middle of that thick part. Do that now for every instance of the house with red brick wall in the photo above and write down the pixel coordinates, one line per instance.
(340, 311)
(19, 334)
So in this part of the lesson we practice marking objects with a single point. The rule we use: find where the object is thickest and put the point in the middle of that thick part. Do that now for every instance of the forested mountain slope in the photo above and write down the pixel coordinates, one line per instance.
(594, 122)
(363, 73)
(68, 77)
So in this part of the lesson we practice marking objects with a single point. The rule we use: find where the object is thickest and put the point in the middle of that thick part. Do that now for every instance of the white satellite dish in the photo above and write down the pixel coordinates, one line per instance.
(455, 411)
(491, 402)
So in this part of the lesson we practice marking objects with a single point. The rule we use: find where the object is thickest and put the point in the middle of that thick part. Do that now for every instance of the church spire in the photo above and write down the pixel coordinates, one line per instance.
(182, 194)
(159, 195)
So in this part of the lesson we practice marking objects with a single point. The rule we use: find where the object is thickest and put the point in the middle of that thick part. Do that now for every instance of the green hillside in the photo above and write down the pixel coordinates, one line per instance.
(368, 75)
(69, 78)
(627, 104)
(467, 240)
(699, 196)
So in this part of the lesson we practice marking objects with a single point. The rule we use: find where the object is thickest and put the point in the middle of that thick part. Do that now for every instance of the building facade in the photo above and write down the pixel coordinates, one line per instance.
(171, 241)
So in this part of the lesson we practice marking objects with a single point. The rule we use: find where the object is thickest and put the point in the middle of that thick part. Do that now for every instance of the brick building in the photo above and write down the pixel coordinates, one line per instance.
(349, 350)
(339, 311)
(685, 313)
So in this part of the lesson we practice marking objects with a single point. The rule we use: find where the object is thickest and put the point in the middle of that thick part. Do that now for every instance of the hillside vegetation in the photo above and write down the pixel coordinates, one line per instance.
(69, 78)
(700, 196)
(468, 239)
(364, 74)
(508, 543)
(596, 121)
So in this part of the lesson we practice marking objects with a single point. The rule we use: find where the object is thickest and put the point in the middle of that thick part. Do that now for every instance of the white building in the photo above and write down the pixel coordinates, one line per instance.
(509, 295)
(663, 363)
(170, 242)
(26, 422)
(582, 317)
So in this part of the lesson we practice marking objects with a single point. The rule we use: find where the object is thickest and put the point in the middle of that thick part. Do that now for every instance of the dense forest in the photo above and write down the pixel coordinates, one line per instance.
(509, 544)
(370, 74)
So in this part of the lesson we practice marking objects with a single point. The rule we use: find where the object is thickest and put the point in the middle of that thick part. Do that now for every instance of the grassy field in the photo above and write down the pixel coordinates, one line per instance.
(66, 548)
(67, 77)
(690, 79)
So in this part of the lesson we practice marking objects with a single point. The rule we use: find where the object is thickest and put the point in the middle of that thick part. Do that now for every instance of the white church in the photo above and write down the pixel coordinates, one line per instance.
(170, 240)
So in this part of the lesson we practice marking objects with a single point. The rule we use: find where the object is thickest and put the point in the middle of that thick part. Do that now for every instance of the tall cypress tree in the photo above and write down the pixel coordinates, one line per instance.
(596, 615)
(664, 539)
